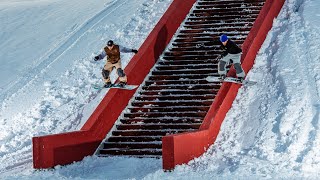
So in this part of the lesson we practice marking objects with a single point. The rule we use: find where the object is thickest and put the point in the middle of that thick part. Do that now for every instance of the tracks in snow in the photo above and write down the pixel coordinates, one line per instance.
(53, 55)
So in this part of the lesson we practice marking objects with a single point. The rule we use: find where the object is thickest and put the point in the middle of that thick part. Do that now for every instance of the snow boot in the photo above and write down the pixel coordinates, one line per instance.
(108, 84)
(122, 84)
(222, 77)
(240, 79)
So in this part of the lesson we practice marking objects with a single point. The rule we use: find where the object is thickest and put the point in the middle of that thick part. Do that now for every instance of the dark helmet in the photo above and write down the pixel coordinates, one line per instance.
(110, 43)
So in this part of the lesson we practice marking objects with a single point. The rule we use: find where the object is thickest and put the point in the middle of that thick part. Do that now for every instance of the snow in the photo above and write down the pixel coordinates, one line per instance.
(271, 132)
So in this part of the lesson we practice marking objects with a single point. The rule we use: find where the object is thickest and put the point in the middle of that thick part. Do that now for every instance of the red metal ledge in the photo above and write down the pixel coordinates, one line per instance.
(61, 149)
(181, 148)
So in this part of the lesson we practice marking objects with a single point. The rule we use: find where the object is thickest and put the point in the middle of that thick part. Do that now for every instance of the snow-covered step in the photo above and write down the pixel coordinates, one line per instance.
(134, 139)
(126, 151)
(200, 48)
(223, 10)
(203, 34)
(166, 120)
(165, 114)
(179, 83)
(213, 32)
(198, 51)
(198, 58)
(210, 61)
(137, 145)
(158, 126)
(175, 82)
(217, 23)
(180, 53)
(202, 55)
(232, 3)
(182, 76)
(196, 44)
(182, 87)
(170, 109)
(131, 156)
(173, 92)
(188, 57)
(225, 16)
(173, 103)
(177, 67)
(172, 97)
(187, 71)
(210, 35)
(219, 28)
(140, 132)
(224, 7)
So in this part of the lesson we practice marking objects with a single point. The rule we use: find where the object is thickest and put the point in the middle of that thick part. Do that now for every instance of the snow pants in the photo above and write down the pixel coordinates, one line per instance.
(236, 62)
(108, 67)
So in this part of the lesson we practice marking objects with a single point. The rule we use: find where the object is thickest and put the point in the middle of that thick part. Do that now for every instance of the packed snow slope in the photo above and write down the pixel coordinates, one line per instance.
(271, 132)
(47, 71)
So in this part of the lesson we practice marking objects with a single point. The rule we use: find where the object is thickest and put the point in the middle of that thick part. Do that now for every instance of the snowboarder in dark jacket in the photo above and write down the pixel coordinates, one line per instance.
(112, 51)
(230, 52)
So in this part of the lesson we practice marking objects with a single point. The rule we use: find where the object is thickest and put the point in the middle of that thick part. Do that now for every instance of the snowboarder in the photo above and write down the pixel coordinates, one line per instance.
(112, 51)
(231, 54)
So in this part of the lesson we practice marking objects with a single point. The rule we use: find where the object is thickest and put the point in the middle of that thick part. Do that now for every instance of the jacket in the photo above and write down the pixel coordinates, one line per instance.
(230, 48)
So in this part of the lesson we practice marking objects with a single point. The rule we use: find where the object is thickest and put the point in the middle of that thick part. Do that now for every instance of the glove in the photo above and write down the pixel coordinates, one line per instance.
(219, 57)
(134, 51)
(96, 58)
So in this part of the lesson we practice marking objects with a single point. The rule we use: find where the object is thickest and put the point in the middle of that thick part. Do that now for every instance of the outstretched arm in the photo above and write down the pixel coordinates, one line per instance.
(100, 56)
(127, 50)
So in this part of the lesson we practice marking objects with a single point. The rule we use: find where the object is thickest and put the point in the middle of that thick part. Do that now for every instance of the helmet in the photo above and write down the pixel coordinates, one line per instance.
(110, 43)
(223, 38)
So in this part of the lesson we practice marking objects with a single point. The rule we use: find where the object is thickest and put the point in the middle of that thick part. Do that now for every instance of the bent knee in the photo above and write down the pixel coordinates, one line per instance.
(120, 72)
(105, 73)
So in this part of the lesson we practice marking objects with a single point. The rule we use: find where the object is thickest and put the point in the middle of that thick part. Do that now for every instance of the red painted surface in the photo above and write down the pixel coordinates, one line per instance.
(61, 149)
(181, 148)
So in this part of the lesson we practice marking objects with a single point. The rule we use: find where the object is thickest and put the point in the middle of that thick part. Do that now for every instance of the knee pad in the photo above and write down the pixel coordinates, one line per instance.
(238, 68)
(105, 73)
(222, 65)
(120, 72)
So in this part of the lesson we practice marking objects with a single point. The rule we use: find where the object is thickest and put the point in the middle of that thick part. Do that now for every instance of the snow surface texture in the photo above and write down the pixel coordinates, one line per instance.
(272, 131)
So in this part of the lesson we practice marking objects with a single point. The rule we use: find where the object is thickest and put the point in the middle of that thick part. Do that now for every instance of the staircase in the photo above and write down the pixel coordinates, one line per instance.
(175, 97)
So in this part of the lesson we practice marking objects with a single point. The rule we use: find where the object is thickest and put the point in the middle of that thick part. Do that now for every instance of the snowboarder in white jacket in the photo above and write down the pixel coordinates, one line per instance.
(231, 53)
(112, 51)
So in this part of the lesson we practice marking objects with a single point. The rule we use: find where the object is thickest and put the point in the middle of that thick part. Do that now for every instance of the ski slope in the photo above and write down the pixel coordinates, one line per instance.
(271, 132)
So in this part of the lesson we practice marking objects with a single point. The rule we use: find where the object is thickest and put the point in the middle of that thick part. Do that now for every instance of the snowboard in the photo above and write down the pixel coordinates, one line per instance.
(115, 86)
(230, 79)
